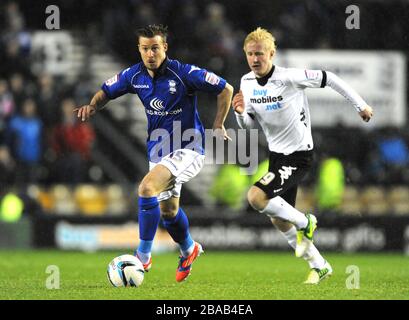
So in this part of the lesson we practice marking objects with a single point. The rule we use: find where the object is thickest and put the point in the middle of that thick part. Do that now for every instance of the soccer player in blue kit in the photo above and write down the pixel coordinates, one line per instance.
(167, 89)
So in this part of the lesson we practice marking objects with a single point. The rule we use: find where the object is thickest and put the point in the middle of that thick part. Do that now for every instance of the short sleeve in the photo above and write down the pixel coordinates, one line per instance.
(202, 80)
(304, 78)
(116, 86)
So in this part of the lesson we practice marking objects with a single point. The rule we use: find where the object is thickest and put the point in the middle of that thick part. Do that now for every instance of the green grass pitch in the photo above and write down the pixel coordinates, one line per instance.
(215, 276)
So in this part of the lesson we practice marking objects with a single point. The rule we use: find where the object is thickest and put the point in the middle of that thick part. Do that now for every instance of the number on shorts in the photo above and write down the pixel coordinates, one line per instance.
(267, 178)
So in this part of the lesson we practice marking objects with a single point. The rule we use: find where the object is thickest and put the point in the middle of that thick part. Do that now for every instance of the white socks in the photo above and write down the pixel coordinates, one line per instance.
(277, 207)
(312, 255)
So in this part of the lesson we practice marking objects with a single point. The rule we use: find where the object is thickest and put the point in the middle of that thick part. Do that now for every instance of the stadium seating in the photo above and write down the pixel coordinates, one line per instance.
(351, 203)
(63, 200)
(398, 198)
(90, 200)
(119, 200)
(374, 200)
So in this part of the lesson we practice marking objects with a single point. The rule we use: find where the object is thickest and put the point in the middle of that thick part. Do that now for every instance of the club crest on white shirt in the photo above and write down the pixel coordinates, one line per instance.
(277, 83)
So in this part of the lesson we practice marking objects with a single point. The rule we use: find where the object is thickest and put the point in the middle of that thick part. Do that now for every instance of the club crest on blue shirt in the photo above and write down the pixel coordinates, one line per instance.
(172, 86)
(112, 80)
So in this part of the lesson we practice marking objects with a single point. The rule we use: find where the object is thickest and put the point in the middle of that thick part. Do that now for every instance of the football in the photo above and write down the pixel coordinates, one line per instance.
(125, 271)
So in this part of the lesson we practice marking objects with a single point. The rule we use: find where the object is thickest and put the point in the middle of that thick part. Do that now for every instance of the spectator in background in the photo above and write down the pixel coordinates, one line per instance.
(13, 61)
(7, 166)
(229, 187)
(218, 38)
(189, 16)
(83, 88)
(72, 142)
(18, 89)
(48, 101)
(15, 42)
(331, 185)
(15, 24)
(6, 108)
(393, 155)
(25, 140)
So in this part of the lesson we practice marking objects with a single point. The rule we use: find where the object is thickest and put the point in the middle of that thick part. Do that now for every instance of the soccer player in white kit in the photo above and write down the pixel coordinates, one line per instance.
(275, 97)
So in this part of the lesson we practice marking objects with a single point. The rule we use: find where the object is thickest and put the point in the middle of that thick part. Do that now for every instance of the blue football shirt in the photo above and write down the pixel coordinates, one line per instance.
(170, 103)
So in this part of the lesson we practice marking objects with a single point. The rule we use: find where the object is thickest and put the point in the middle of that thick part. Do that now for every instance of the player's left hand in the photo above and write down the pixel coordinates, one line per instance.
(220, 133)
(366, 114)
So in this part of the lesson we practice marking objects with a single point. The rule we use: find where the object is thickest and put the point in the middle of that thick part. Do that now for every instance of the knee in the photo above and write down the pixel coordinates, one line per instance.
(146, 189)
(168, 212)
(281, 224)
(257, 198)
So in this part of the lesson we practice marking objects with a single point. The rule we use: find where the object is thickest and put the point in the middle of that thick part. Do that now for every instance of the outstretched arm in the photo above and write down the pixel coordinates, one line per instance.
(340, 86)
(244, 120)
(97, 102)
(223, 105)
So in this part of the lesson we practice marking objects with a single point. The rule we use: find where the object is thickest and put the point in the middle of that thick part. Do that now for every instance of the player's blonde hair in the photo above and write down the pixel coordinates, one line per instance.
(261, 35)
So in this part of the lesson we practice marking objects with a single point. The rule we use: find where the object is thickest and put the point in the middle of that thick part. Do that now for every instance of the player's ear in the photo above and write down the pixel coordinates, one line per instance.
(165, 46)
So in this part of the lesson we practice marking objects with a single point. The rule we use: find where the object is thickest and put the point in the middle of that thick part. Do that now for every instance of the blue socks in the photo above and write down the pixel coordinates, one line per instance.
(148, 216)
(178, 228)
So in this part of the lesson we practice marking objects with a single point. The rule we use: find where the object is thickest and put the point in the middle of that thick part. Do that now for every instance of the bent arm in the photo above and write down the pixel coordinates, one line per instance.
(245, 120)
(223, 104)
(98, 101)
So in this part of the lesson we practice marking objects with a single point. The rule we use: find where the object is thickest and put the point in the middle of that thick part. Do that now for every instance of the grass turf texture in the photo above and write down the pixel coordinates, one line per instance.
(215, 275)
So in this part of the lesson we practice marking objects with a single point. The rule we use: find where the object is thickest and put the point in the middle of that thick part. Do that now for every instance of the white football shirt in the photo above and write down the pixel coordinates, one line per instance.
(281, 105)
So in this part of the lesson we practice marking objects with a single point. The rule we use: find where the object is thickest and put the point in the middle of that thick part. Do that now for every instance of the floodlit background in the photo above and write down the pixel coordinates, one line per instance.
(73, 185)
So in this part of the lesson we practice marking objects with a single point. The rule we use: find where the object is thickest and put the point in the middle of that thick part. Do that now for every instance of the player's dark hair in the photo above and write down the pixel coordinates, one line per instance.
(153, 30)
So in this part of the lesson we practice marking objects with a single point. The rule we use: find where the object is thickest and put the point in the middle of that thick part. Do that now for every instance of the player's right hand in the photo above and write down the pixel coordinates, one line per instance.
(238, 102)
(85, 112)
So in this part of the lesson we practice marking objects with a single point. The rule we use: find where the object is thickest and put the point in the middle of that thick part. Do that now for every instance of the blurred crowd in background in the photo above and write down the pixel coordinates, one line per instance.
(40, 137)
(42, 142)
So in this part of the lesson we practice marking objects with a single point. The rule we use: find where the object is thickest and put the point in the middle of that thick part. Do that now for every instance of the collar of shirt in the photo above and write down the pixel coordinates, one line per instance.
(162, 68)
(263, 80)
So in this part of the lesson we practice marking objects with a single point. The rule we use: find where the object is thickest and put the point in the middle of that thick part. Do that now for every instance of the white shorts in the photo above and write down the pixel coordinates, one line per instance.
(184, 164)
